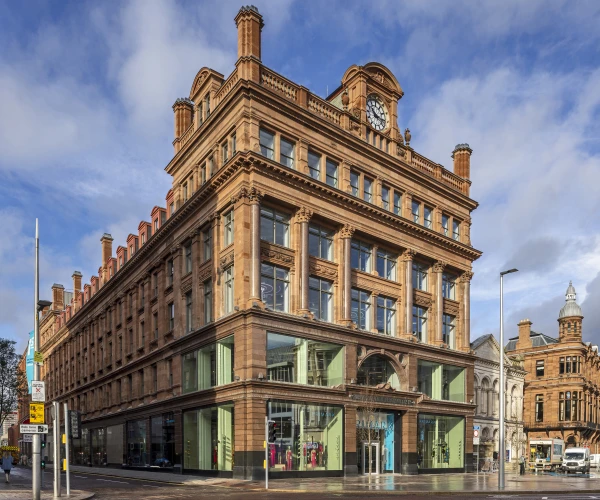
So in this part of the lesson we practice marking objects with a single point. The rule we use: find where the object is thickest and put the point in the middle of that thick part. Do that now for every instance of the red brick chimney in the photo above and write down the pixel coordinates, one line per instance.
(524, 341)
(462, 160)
(106, 240)
(58, 297)
(76, 290)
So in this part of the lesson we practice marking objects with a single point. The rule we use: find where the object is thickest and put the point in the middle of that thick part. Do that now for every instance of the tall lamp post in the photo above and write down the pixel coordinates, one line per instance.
(501, 444)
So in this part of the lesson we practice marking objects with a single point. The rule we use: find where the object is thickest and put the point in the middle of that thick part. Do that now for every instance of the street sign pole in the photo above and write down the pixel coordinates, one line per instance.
(266, 452)
(67, 436)
(56, 450)
(36, 476)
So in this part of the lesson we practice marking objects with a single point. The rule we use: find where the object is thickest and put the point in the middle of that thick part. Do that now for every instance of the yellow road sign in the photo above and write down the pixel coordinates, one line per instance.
(36, 413)
(38, 357)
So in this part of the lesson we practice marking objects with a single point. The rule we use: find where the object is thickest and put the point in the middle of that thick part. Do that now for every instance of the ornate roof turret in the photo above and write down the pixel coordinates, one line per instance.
(571, 308)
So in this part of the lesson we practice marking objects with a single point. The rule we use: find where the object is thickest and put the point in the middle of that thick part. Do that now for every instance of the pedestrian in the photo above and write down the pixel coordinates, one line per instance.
(522, 465)
(7, 463)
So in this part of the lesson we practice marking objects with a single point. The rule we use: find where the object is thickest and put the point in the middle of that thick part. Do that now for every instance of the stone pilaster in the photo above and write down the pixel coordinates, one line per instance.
(407, 258)
(438, 269)
(346, 272)
(303, 217)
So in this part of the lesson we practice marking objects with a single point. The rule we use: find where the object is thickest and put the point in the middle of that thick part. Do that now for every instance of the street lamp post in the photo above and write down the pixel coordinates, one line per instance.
(501, 444)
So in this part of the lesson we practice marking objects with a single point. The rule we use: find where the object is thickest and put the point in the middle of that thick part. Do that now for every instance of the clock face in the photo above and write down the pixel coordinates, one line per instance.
(376, 113)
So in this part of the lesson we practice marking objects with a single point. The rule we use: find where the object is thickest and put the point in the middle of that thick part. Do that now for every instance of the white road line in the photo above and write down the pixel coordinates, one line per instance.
(111, 481)
(80, 477)
(150, 486)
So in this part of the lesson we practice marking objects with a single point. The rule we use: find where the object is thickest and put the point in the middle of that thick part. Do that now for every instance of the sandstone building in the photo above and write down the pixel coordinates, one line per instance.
(561, 385)
(310, 266)
(487, 400)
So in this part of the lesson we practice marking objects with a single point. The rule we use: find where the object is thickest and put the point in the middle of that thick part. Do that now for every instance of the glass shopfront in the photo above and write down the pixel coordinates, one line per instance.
(440, 442)
(114, 444)
(98, 446)
(439, 381)
(162, 440)
(308, 437)
(136, 443)
(208, 440)
(303, 361)
(209, 366)
(81, 449)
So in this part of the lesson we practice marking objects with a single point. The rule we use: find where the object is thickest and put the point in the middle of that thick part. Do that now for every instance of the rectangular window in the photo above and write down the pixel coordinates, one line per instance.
(397, 203)
(368, 190)
(274, 284)
(419, 276)
(228, 290)
(267, 144)
(171, 315)
(143, 334)
(143, 238)
(448, 286)
(385, 197)
(209, 366)
(142, 295)
(320, 242)
(185, 198)
(206, 244)
(314, 165)
(320, 298)
(131, 304)
(188, 257)
(296, 360)
(354, 182)
(441, 441)
(428, 217)
(539, 408)
(155, 285)
(445, 225)
(448, 336)
(207, 105)
(203, 174)
(539, 368)
(233, 145)
(188, 312)
(170, 271)
(331, 172)
(286, 153)
(274, 226)
(455, 230)
(210, 169)
(228, 228)
(171, 208)
(154, 378)
(386, 315)
(130, 342)
(441, 382)
(419, 321)
(199, 111)
(568, 365)
(155, 325)
(170, 372)
(360, 256)
(130, 385)
(561, 366)
(416, 212)
(361, 308)
(141, 379)
(225, 153)
(208, 302)
(386, 265)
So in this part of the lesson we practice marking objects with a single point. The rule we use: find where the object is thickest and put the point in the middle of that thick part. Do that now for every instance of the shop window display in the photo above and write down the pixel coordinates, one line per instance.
(98, 446)
(445, 382)
(163, 440)
(302, 361)
(209, 366)
(309, 437)
(136, 443)
(81, 449)
(208, 438)
(440, 442)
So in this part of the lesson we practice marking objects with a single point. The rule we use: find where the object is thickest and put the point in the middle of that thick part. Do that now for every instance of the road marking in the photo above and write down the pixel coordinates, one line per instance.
(80, 477)
(111, 481)
(151, 485)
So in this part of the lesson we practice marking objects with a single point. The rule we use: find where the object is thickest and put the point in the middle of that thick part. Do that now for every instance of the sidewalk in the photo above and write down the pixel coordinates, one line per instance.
(452, 484)
(19, 487)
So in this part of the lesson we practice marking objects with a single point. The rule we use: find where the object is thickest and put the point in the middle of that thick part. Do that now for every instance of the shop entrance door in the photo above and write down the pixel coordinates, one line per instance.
(374, 457)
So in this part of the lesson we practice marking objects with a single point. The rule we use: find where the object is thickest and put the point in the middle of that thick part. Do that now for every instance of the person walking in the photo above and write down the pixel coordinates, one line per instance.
(522, 465)
(7, 463)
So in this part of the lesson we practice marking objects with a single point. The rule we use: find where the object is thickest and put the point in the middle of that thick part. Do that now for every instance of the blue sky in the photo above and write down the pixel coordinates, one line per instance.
(86, 126)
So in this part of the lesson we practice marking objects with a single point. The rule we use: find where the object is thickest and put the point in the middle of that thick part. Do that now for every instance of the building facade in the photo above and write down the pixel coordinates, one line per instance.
(310, 267)
(561, 385)
(487, 399)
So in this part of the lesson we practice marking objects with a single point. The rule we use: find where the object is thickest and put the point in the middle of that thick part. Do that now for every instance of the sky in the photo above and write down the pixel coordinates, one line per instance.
(86, 126)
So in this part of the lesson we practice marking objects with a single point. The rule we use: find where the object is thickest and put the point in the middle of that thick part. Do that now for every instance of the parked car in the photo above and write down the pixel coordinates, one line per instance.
(594, 461)
(576, 460)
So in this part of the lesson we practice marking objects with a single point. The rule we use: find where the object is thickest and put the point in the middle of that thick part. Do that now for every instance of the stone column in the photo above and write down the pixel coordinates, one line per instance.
(303, 217)
(346, 235)
(178, 329)
(254, 200)
(465, 279)
(438, 269)
(407, 257)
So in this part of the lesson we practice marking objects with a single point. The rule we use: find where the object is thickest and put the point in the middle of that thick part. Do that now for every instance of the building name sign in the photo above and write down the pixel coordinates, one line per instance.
(383, 399)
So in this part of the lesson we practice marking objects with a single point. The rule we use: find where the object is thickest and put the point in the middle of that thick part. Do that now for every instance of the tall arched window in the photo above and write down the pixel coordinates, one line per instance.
(377, 370)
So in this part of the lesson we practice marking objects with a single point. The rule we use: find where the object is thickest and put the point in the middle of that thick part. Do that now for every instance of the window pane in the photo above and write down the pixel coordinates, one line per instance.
(368, 190)
(314, 165)
(332, 173)
(266, 144)
(354, 176)
(397, 203)
(287, 153)
(385, 197)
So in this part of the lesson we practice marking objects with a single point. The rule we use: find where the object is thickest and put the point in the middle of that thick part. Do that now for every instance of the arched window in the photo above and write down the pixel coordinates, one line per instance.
(377, 370)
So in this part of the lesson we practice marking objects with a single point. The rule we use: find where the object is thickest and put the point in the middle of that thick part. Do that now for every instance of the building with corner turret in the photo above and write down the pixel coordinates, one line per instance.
(309, 267)
(561, 396)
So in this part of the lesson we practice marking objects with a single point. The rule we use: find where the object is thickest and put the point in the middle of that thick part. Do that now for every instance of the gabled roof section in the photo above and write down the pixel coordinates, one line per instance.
(379, 72)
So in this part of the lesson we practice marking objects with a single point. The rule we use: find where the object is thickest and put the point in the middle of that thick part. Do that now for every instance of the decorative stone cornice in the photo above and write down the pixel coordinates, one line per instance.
(304, 214)
(347, 231)
(227, 260)
(422, 299)
(251, 194)
(276, 256)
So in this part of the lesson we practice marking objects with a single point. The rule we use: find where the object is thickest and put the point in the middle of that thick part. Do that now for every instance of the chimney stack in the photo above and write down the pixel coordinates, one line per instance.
(106, 241)
(462, 160)
(183, 109)
(524, 334)
(249, 23)
(58, 297)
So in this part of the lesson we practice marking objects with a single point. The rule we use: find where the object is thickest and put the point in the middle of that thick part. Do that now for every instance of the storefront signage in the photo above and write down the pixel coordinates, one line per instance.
(383, 399)
(373, 420)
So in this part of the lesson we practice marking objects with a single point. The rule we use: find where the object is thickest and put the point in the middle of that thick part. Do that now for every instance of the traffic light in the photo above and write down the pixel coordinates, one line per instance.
(272, 432)
(43, 444)
(43, 463)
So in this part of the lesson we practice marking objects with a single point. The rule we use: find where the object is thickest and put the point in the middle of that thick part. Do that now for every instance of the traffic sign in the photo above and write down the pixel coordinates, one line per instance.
(38, 357)
(38, 391)
(476, 428)
(27, 438)
(36, 413)
(475, 435)
(33, 429)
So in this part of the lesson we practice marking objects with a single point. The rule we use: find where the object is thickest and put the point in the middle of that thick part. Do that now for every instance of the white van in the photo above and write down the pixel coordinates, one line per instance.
(576, 460)
(594, 461)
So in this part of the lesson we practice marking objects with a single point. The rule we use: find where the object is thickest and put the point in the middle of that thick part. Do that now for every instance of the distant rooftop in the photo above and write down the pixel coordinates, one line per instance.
(537, 340)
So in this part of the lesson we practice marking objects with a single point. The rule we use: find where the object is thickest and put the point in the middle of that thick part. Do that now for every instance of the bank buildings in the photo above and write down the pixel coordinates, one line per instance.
(308, 265)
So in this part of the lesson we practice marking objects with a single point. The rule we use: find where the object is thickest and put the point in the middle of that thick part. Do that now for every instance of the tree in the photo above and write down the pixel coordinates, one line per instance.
(13, 381)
